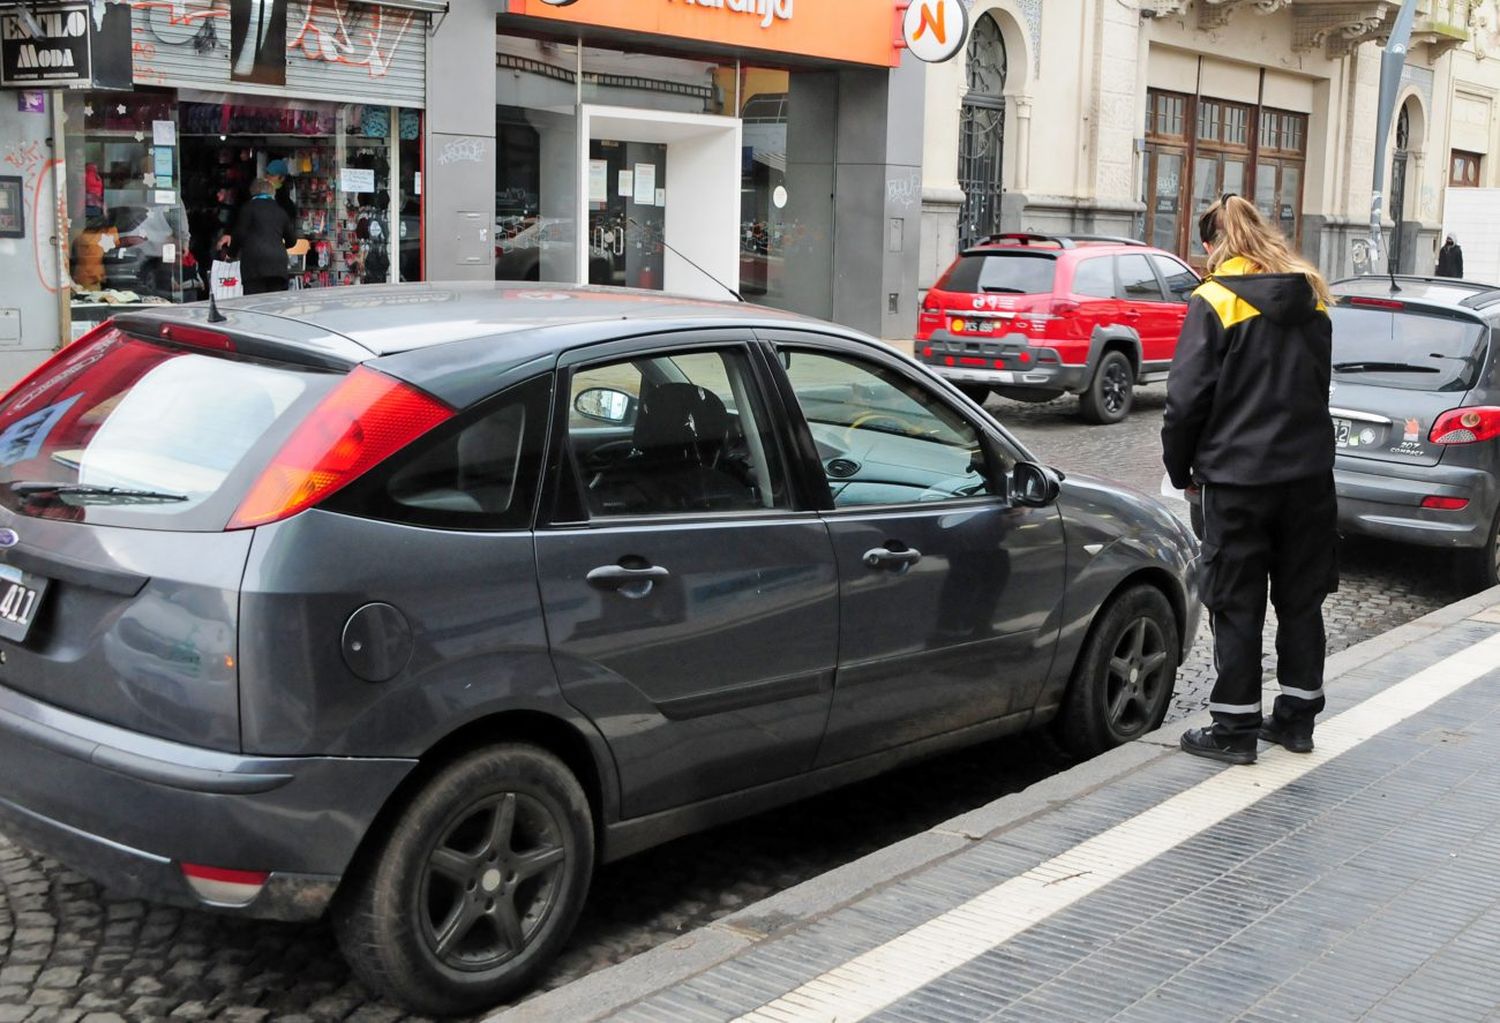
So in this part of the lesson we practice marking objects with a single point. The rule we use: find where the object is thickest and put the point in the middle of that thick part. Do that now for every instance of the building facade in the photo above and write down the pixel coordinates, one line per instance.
(768, 147)
(124, 180)
(1132, 118)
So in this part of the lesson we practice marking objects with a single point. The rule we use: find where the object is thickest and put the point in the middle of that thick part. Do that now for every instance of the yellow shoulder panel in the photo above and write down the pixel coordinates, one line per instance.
(1231, 308)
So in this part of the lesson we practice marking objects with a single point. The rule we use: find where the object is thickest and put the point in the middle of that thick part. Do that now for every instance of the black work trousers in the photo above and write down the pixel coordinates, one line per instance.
(1285, 534)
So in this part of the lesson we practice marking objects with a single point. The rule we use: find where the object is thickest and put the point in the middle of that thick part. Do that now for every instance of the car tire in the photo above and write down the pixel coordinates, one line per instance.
(477, 886)
(1111, 393)
(977, 393)
(1123, 680)
(1482, 565)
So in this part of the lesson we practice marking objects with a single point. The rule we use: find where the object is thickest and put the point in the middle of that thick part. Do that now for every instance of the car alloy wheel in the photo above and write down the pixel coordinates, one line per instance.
(1137, 672)
(1111, 393)
(492, 881)
(473, 884)
(1123, 679)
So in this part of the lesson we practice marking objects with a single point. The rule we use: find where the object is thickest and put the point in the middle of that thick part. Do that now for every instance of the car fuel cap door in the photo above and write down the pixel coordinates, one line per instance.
(377, 642)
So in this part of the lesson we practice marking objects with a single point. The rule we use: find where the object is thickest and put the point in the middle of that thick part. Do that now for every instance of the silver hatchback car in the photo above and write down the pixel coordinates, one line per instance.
(415, 603)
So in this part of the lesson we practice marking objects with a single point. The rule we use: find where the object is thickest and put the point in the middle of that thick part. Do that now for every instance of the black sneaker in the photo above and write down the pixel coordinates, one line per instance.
(1202, 742)
(1293, 740)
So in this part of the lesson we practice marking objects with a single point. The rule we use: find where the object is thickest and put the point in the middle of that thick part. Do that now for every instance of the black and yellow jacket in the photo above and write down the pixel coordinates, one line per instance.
(1247, 400)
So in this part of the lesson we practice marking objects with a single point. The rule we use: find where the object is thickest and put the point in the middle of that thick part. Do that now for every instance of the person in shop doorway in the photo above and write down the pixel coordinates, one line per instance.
(262, 234)
(1246, 425)
(277, 172)
(1450, 259)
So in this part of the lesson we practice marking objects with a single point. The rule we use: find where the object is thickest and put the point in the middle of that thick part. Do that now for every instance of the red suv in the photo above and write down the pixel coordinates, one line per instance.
(1033, 316)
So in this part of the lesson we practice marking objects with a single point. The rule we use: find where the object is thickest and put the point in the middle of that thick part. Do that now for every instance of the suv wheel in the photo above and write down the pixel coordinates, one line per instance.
(1112, 391)
(477, 886)
(1124, 677)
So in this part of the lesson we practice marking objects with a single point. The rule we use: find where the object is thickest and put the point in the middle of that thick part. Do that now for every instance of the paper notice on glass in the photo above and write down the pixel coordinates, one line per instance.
(661, 197)
(168, 252)
(419, 184)
(645, 184)
(357, 179)
(165, 198)
(626, 184)
(164, 133)
(598, 181)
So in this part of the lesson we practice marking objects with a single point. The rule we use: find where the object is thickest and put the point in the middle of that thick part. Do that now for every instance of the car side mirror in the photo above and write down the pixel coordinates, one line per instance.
(604, 405)
(1034, 486)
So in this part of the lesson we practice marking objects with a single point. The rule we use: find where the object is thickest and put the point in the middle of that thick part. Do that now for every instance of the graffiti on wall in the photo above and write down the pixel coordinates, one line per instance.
(38, 170)
(338, 33)
(325, 31)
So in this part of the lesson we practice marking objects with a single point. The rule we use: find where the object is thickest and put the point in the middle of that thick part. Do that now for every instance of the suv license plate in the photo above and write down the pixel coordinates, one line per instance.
(20, 596)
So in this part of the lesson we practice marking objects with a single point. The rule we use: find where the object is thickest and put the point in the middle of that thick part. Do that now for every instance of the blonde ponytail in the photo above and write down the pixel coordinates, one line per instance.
(1236, 228)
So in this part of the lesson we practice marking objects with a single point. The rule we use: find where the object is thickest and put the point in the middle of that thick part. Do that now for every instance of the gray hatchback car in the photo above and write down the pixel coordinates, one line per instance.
(414, 603)
(1416, 410)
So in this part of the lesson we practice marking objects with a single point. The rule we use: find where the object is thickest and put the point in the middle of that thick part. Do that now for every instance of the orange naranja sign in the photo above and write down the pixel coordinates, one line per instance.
(852, 31)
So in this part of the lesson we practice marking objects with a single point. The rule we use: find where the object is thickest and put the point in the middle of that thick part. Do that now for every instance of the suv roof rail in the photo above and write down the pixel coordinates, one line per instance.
(1062, 241)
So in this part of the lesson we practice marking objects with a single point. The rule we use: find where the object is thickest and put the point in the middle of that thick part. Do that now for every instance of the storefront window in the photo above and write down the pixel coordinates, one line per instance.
(156, 181)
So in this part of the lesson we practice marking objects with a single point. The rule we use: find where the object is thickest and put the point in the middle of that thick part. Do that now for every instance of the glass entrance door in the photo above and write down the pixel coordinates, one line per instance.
(627, 213)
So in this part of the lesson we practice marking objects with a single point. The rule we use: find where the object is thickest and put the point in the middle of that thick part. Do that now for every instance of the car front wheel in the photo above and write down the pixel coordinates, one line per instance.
(1482, 566)
(1123, 681)
(1111, 393)
(477, 886)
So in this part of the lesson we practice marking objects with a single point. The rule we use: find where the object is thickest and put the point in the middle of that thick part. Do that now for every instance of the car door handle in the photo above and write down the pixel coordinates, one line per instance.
(618, 577)
(1132, 314)
(882, 557)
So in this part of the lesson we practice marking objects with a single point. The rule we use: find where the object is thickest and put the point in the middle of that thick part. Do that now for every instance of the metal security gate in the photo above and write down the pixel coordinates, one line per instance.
(981, 153)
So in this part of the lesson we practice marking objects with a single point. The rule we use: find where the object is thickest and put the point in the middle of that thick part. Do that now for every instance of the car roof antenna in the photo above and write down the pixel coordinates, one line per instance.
(737, 296)
(214, 316)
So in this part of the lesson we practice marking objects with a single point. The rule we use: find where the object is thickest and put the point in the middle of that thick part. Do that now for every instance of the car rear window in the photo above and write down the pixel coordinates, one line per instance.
(1002, 273)
(1410, 350)
(131, 432)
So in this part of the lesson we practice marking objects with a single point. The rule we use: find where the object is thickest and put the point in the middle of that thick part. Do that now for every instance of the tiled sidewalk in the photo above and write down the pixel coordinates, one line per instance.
(1362, 882)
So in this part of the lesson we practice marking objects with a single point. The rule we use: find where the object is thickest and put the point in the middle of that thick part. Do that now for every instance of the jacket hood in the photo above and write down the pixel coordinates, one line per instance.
(1281, 298)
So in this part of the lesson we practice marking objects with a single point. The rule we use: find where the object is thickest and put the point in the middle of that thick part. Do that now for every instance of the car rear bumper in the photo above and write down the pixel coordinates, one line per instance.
(128, 810)
(1385, 501)
(973, 361)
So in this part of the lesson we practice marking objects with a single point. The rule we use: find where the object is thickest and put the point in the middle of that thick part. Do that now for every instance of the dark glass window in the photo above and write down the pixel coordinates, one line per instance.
(1137, 280)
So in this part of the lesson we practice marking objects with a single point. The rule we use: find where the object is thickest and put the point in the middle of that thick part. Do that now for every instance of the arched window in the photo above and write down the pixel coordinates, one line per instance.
(982, 134)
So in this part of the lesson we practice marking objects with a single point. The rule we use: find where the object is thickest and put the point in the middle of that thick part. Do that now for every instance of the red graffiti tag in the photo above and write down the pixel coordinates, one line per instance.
(37, 168)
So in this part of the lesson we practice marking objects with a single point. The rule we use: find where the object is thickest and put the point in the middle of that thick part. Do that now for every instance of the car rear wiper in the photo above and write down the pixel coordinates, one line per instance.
(1382, 367)
(84, 493)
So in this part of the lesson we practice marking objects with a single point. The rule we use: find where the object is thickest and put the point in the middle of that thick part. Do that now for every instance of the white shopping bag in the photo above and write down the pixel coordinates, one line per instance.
(224, 279)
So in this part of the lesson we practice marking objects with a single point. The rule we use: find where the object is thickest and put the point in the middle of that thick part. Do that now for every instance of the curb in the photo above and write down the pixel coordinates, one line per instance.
(607, 991)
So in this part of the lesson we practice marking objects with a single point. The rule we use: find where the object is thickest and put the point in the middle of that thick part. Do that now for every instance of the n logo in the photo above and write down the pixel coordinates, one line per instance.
(934, 30)
(937, 22)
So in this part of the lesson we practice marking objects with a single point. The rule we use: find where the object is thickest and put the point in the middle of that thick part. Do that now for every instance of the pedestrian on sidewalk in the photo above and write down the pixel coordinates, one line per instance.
(262, 234)
(1450, 259)
(1247, 425)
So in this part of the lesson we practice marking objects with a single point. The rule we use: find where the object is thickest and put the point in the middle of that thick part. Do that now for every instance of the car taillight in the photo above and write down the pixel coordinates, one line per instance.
(1445, 503)
(364, 420)
(1466, 425)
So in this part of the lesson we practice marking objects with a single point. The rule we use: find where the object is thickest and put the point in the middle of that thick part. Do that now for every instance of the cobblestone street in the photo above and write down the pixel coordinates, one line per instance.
(70, 953)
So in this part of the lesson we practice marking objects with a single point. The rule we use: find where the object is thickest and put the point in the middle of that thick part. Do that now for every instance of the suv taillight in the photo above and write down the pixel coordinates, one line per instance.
(1466, 425)
(364, 420)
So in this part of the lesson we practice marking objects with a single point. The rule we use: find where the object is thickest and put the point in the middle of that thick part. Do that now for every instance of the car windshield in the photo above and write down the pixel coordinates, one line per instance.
(130, 432)
(1405, 349)
(1007, 273)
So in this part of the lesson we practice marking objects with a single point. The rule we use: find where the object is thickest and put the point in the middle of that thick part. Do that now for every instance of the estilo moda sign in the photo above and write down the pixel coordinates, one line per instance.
(49, 47)
(848, 31)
